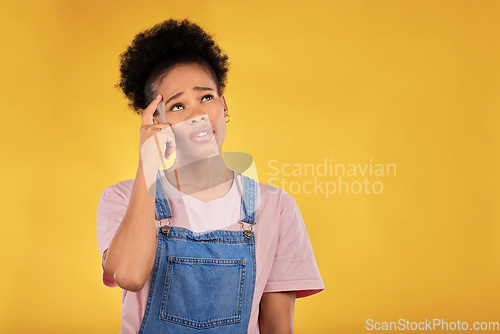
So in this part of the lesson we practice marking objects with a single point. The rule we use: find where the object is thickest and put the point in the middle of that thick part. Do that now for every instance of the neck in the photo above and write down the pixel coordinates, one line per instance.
(196, 175)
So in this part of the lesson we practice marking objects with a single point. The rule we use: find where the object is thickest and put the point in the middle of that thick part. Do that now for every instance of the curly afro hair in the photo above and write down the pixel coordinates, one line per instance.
(156, 50)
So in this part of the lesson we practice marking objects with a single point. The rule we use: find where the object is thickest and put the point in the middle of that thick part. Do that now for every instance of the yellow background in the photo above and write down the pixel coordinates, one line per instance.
(414, 83)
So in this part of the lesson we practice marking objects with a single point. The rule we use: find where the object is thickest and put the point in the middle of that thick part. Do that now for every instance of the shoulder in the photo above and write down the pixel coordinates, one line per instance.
(274, 197)
(115, 197)
(121, 189)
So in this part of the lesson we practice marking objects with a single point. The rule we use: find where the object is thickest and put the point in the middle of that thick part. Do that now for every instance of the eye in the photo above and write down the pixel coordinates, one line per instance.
(174, 107)
(210, 96)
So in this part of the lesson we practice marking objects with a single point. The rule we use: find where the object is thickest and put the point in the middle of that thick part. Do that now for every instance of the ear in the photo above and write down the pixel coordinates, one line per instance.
(225, 105)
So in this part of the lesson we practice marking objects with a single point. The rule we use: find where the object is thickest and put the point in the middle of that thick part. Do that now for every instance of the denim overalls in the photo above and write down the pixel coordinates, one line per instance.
(202, 281)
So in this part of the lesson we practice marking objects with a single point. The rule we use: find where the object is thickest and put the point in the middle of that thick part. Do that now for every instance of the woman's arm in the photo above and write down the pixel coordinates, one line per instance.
(129, 258)
(276, 312)
(131, 254)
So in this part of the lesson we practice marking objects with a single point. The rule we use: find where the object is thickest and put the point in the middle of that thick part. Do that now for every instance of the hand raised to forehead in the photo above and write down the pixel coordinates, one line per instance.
(157, 141)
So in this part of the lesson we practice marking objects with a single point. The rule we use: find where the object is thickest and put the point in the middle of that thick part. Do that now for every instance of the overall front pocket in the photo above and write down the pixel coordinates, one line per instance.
(203, 293)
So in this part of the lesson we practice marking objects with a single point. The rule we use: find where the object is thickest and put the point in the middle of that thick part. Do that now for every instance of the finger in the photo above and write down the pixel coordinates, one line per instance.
(164, 132)
(169, 151)
(147, 114)
(166, 137)
(161, 126)
(168, 154)
(171, 146)
(160, 153)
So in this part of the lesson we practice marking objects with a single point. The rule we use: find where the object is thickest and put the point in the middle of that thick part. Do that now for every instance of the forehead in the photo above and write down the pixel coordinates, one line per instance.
(186, 76)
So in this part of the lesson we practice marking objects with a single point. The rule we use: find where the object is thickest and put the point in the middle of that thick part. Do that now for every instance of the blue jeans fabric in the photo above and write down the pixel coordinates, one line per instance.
(202, 281)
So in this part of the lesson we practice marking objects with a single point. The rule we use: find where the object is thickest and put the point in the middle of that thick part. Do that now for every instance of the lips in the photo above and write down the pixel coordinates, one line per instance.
(202, 134)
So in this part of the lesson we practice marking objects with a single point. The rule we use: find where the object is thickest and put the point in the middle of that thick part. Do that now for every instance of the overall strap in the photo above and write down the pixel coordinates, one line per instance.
(249, 199)
(162, 208)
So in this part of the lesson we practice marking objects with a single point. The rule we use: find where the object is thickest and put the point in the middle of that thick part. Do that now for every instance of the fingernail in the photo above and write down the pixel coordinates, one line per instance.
(158, 96)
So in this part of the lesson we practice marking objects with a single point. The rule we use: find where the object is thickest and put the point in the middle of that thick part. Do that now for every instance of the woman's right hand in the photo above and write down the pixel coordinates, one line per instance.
(155, 145)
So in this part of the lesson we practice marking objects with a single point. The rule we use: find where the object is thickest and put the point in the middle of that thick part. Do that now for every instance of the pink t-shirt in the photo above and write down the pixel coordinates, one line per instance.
(284, 256)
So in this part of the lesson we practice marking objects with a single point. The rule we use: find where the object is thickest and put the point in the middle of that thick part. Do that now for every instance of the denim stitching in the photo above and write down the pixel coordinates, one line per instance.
(161, 200)
(249, 202)
(239, 264)
(166, 287)
(151, 287)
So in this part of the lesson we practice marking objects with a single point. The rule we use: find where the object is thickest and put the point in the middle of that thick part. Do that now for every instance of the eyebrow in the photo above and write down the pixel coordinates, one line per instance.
(180, 93)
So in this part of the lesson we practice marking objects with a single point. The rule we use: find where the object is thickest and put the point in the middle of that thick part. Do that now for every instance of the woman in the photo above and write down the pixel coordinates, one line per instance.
(196, 246)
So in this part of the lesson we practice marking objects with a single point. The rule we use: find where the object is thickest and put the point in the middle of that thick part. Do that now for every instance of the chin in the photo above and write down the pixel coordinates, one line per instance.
(198, 151)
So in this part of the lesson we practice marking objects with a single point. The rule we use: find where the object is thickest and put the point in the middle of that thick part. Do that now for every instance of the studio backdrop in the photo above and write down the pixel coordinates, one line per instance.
(380, 118)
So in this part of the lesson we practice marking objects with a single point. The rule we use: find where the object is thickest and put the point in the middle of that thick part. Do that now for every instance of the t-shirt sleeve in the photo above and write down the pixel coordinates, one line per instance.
(294, 267)
(110, 211)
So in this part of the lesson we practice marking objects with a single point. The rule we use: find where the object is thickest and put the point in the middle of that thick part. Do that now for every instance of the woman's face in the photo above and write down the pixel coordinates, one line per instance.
(194, 109)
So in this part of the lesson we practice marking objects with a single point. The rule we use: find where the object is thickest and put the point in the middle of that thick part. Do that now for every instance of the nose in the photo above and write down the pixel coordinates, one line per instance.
(203, 118)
